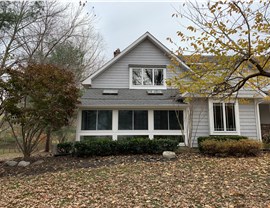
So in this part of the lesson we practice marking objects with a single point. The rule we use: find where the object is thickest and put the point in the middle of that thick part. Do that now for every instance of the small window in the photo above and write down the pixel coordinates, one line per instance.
(218, 117)
(136, 76)
(224, 117)
(133, 120)
(96, 120)
(158, 77)
(147, 77)
(168, 120)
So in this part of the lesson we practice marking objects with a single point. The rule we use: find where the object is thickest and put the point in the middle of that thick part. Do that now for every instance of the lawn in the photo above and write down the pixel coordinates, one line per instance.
(192, 180)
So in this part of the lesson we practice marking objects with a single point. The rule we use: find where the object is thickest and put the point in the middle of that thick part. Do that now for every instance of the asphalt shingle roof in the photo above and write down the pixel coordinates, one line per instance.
(130, 97)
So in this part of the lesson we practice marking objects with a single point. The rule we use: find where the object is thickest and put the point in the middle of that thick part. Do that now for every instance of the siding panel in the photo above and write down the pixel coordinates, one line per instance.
(200, 120)
(247, 116)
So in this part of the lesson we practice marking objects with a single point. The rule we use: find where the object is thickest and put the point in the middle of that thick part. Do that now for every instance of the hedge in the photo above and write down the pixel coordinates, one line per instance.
(219, 138)
(65, 147)
(242, 147)
(122, 147)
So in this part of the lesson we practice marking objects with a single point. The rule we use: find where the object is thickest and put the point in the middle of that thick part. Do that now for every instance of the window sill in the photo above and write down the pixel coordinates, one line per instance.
(148, 87)
(225, 133)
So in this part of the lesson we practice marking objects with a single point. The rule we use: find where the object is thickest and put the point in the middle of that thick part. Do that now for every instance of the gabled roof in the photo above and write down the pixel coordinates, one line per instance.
(145, 36)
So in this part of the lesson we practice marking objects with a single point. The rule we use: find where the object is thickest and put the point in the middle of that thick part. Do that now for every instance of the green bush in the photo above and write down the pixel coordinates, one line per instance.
(95, 138)
(244, 147)
(65, 147)
(123, 147)
(220, 138)
(170, 137)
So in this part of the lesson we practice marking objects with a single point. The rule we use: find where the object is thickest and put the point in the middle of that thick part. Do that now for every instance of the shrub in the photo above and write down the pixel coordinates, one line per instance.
(220, 138)
(170, 137)
(242, 147)
(65, 147)
(123, 147)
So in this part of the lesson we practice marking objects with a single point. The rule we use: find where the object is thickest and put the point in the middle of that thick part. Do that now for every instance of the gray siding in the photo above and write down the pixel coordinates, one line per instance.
(117, 76)
(200, 120)
(247, 115)
(248, 92)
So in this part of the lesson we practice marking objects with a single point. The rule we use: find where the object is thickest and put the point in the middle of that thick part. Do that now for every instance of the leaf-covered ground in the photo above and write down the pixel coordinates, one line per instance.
(191, 180)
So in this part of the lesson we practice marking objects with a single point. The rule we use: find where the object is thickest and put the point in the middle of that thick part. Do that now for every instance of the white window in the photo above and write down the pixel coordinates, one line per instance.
(224, 118)
(147, 77)
(132, 119)
(96, 120)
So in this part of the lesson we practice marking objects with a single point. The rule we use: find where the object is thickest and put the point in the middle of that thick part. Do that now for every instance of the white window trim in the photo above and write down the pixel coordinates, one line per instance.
(131, 86)
(139, 130)
(211, 118)
(115, 132)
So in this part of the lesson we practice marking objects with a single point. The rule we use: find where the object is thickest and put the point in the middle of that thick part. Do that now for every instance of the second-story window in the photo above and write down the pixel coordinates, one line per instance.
(148, 77)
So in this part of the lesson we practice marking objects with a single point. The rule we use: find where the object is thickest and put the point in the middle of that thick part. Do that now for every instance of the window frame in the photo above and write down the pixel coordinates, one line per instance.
(96, 121)
(133, 121)
(211, 118)
(169, 128)
(142, 86)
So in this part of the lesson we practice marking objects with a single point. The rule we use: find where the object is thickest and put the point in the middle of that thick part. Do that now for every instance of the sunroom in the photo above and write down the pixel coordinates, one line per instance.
(126, 113)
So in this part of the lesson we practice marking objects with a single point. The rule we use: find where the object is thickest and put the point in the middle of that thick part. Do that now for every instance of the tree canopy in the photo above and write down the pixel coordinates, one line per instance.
(226, 45)
(38, 96)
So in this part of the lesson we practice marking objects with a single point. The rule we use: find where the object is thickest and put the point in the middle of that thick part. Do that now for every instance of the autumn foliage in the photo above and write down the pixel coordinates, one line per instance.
(38, 96)
(226, 45)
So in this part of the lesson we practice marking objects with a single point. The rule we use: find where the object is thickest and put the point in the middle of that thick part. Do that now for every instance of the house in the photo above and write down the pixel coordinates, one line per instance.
(128, 96)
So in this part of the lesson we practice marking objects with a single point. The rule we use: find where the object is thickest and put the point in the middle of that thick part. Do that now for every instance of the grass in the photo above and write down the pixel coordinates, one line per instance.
(192, 180)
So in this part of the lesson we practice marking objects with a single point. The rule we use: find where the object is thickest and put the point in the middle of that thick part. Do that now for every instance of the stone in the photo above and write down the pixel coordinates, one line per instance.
(38, 162)
(23, 163)
(169, 154)
(11, 163)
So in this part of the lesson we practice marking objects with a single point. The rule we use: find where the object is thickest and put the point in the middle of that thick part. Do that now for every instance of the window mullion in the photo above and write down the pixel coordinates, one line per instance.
(133, 120)
(142, 75)
(224, 116)
(168, 119)
(153, 77)
(97, 121)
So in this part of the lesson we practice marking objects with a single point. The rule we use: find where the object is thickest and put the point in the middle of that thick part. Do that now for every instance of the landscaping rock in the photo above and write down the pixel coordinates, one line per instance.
(38, 162)
(169, 154)
(23, 163)
(11, 163)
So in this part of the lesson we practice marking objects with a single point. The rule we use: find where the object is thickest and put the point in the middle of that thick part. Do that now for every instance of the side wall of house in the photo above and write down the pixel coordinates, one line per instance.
(200, 123)
(248, 117)
(117, 76)
(248, 122)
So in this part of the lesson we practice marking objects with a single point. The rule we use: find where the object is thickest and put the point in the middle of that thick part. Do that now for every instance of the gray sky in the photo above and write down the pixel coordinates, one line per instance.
(122, 23)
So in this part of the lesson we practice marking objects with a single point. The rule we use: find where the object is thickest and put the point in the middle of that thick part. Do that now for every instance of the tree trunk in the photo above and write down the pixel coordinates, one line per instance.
(48, 140)
(26, 155)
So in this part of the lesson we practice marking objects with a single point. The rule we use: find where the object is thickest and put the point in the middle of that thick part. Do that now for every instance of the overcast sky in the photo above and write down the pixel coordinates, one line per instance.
(121, 23)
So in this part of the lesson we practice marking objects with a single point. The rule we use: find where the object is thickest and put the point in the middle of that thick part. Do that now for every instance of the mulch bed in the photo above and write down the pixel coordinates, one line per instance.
(55, 164)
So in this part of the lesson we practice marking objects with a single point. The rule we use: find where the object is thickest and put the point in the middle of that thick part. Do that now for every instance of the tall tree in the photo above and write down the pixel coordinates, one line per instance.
(36, 32)
(227, 46)
(39, 97)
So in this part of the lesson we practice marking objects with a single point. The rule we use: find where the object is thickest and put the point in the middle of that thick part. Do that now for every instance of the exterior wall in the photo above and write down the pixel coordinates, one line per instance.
(265, 113)
(115, 132)
(248, 122)
(117, 76)
(200, 123)
(248, 116)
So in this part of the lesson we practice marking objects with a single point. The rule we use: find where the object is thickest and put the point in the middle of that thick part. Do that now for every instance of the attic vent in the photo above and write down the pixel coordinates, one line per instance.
(110, 92)
(154, 92)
